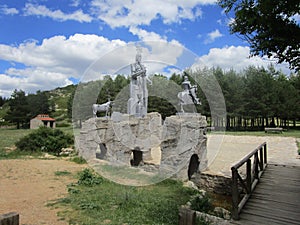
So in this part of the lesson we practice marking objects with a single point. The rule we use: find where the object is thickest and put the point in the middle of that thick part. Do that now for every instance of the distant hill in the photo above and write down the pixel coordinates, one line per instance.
(59, 99)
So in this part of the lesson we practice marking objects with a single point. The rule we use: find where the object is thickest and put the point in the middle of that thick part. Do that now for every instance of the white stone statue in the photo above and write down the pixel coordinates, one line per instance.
(105, 107)
(138, 101)
(189, 94)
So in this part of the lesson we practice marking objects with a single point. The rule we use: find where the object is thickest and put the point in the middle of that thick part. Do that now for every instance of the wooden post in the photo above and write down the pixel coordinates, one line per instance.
(265, 153)
(187, 216)
(11, 218)
(248, 178)
(256, 165)
(235, 194)
(261, 159)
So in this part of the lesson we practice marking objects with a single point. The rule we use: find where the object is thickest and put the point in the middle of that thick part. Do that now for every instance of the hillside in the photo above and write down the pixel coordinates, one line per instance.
(59, 98)
(58, 101)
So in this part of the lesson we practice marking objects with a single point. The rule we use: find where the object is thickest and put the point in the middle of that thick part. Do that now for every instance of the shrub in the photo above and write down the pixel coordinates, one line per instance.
(46, 140)
(202, 203)
(88, 178)
(78, 160)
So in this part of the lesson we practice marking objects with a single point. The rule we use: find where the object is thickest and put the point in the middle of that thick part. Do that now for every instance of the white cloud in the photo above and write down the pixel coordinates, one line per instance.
(117, 13)
(212, 36)
(237, 58)
(8, 11)
(145, 35)
(41, 10)
(54, 61)
(51, 63)
(75, 3)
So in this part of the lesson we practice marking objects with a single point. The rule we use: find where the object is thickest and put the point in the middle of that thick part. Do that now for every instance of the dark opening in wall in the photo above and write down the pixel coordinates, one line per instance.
(193, 166)
(137, 157)
(103, 151)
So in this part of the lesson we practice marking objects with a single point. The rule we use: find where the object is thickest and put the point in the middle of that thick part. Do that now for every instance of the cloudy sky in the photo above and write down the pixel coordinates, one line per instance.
(50, 43)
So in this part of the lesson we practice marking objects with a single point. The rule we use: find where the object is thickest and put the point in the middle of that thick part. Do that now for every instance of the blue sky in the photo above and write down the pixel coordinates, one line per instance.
(50, 43)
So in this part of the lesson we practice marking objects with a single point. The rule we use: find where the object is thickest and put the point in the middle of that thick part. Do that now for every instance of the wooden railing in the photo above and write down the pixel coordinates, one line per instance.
(253, 174)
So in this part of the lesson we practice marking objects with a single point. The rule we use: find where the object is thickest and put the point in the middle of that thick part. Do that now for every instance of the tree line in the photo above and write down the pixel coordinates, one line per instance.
(254, 98)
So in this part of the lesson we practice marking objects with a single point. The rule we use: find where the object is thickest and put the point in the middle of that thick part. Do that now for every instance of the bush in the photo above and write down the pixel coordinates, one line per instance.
(78, 160)
(202, 203)
(88, 178)
(46, 140)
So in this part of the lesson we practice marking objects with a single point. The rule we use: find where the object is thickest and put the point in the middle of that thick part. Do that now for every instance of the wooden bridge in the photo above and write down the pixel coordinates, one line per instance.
(276, 200)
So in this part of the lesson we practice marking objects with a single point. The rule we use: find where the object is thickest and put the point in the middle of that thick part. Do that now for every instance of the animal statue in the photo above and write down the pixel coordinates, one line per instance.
(189, 95)
(105, 107)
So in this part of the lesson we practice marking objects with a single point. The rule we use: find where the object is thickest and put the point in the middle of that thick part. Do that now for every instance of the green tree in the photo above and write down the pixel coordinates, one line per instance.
(287, 105)
(2, 100)
(38, 103)
(85, 96)
(259, 95)
(19, 109)
(163, 96)
(269, 26)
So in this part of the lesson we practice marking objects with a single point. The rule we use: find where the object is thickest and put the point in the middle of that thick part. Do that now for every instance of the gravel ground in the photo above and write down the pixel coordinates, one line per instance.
(225, 150)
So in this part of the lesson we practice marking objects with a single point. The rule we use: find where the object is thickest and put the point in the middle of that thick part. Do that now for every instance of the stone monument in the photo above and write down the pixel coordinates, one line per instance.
(142, 142)
(189, 94)
(138, 101)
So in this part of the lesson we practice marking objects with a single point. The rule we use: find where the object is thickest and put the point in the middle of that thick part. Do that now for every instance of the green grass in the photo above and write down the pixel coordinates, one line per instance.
(105, 202)
(62, 173)
(8, 137)
(78, 160)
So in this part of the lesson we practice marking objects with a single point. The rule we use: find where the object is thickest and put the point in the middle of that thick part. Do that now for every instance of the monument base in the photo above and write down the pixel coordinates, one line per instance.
(175, 147)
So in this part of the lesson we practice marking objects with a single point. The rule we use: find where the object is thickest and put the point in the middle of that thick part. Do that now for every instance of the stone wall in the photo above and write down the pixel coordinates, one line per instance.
(214, 183)
(176, 146)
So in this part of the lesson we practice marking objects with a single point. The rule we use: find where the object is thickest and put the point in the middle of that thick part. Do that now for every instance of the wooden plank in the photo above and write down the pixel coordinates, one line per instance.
(276, 209)
(276, 199)
(272, 200)
(250, 218)
(11, 218)
(268, 216)
(276, 189)
(187, 217)
(271, 181)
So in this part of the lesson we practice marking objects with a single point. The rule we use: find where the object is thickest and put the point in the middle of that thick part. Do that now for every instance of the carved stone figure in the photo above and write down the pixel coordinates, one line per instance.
(138, 101)
(105, 107)
(189, 94)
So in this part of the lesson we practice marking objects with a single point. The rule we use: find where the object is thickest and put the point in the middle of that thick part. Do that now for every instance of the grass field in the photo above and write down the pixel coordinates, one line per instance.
(105, 202)
(8, 137)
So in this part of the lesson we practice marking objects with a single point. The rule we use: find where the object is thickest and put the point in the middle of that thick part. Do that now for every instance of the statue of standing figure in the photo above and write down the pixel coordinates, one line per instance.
(138, 101)
(189, 94)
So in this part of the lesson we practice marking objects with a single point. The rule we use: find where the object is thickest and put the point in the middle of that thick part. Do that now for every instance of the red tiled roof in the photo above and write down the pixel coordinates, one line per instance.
(44, 117)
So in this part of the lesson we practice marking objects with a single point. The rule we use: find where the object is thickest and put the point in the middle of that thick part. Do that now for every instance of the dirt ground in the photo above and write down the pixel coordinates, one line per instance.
(224, 151)
(27, 185)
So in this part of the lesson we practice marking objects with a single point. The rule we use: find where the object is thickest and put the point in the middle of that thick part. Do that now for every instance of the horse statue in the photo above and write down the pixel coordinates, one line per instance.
(105, 107)
(189, 95)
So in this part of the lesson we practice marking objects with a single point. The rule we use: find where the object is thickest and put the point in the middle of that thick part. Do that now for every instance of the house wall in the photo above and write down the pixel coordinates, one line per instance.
(35, 123)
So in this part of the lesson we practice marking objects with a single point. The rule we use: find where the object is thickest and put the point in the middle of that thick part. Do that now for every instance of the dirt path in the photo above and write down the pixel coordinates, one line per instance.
(27, 185)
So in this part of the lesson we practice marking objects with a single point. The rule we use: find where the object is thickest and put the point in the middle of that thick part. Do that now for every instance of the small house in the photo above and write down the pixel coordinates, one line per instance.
(42, 120)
